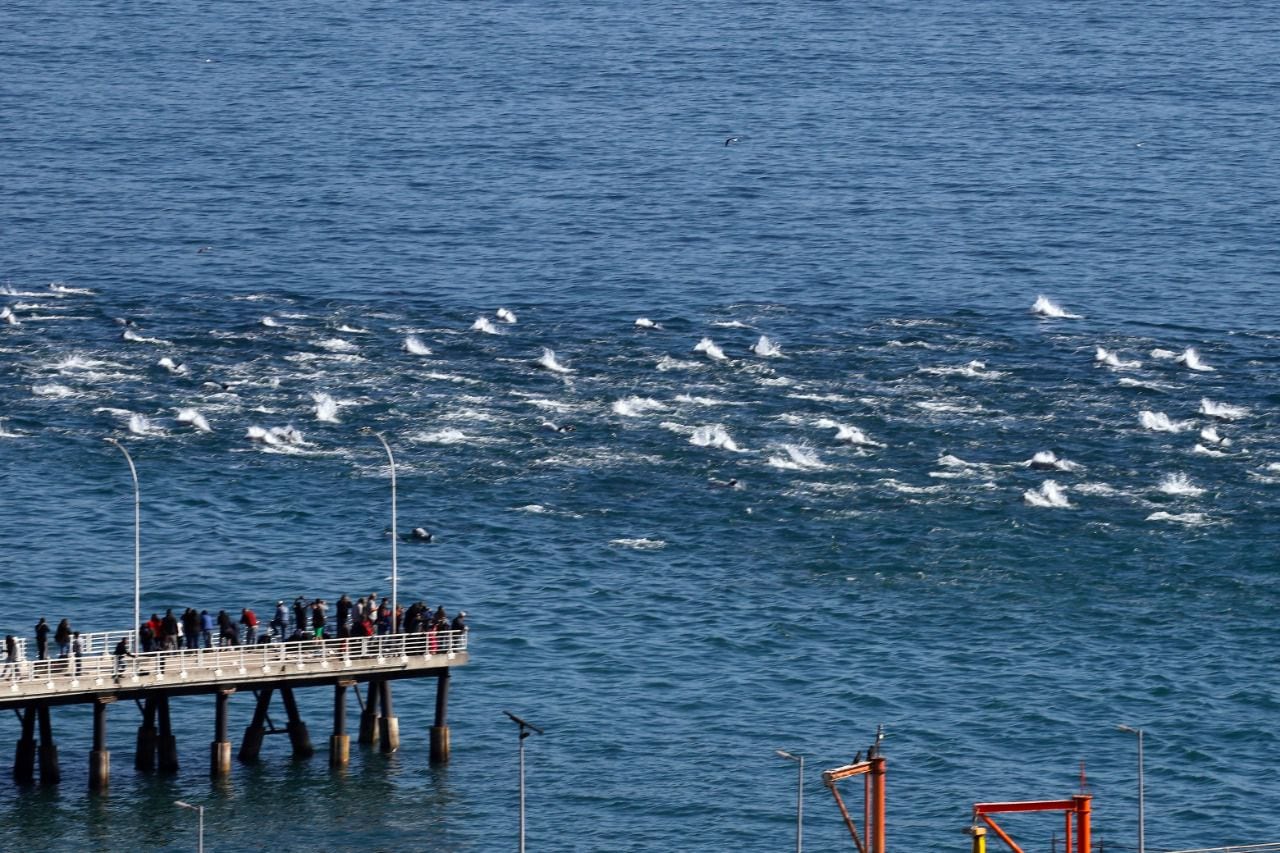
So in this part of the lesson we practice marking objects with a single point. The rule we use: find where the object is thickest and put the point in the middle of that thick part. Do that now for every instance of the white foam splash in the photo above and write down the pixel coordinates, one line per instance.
(7, 315)
(730, 324)
(974, 369)
(140, 424)
(646, 323)
(848, 434)
(131, 335)
(708, 346)
(352, 330)
(505, 316)
(797, 459)
(444, 436)
(1158, 422)
(639, 544)
(326, 408)
(270, 322)
(54, 390)
(1191, 359)
(1050, 496)
(548, 361)
(276, 436)
(714, 435)
(1111, 359)
(337, 345)
(1210, 434)
(1045, 307)
(1192, 518)
(193, 418)
(1047, 460)
(1180, 485)
(482, 324)
(1207, 451)
(1163, 354)
(668, 363)
(1222, 411)
(766, 348)
(59, 287)
(172, 366)
(414, 346)
(634, 407)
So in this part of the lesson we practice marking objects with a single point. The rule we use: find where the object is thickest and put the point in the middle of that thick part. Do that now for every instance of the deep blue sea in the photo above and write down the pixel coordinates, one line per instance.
(944, 397)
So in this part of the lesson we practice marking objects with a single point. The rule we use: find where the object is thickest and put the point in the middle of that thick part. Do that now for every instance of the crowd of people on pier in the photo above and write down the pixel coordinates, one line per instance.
(306, 619)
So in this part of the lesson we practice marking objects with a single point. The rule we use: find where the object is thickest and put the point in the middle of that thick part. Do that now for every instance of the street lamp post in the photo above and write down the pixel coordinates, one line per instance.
(799, 759)
(395, 572)
(199, 810)
(137, 550)
(1142, 817)
(526, 729)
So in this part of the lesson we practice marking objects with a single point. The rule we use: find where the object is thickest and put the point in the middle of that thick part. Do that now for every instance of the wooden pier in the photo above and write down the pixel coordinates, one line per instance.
(97, 678)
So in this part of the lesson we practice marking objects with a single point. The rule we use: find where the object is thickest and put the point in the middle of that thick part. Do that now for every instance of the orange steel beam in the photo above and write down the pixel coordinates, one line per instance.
(1026, 806)
(1004, 836)
(1083, 809)
(848, 770)
(844, 812)
(877, 832)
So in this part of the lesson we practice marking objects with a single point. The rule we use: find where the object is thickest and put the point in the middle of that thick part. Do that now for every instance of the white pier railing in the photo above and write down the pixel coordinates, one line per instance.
(101, 670)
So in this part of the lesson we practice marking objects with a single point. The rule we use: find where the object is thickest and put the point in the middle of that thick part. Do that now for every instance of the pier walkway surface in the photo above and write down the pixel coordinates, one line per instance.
(75, 679)
(102, 679)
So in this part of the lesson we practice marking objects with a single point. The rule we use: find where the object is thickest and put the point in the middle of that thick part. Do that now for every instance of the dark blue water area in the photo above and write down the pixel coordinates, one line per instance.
(951, 407)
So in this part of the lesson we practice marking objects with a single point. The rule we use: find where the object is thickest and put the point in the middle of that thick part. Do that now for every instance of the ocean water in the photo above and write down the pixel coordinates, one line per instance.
(953, 407)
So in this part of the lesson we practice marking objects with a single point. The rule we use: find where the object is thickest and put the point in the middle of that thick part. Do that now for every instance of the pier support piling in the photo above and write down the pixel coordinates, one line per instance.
(340, 741)
(99, 756)
(144, 758)
(369, 716)
(254, 732)
(440, 728)
(297, 729)
(48, 750)
(167, 744)
(220, 749)
(24, 758)
(389, 723)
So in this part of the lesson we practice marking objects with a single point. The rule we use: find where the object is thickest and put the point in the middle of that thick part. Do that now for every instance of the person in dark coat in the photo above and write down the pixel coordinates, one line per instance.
(121, 651)
(300, 614)
(10, 657)
(62, 636)
(227, 634)
(146, 637)
(42, 639)
(169, 631)
(191, 627)
(77, 650)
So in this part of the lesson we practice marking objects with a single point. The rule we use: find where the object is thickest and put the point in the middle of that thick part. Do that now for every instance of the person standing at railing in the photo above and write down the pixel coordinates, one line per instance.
(62, 636)
(280, 622)
(206, 628)
(10, 657)
(121, 650)
(191, 628)
(169, 631)
(77, 651)
(318, 609)
(299, 615)
(249, 620)
(344, 615)
(226, 630)
(146, 638)
(42, 639)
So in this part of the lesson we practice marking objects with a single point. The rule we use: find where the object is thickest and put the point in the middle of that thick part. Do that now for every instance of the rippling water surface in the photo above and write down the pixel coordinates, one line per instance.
(944, 398)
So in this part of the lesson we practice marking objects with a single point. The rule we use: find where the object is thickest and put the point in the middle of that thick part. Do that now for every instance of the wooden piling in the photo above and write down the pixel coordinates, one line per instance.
(388, 723)
(254, 732)
(24, 758)
(340, 741)
(48, 750)
(99, 756)
(297, 729)
(220, 749)
(440, 728)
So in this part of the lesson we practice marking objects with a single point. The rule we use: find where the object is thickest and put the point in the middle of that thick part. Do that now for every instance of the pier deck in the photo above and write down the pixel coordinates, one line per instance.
(61, 681)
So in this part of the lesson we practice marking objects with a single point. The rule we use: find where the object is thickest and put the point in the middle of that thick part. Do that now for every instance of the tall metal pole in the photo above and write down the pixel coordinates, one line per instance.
(526, 729)
(137, 550)
(1142, 817)
(395, 572)
(199, 810)
(799, 759)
